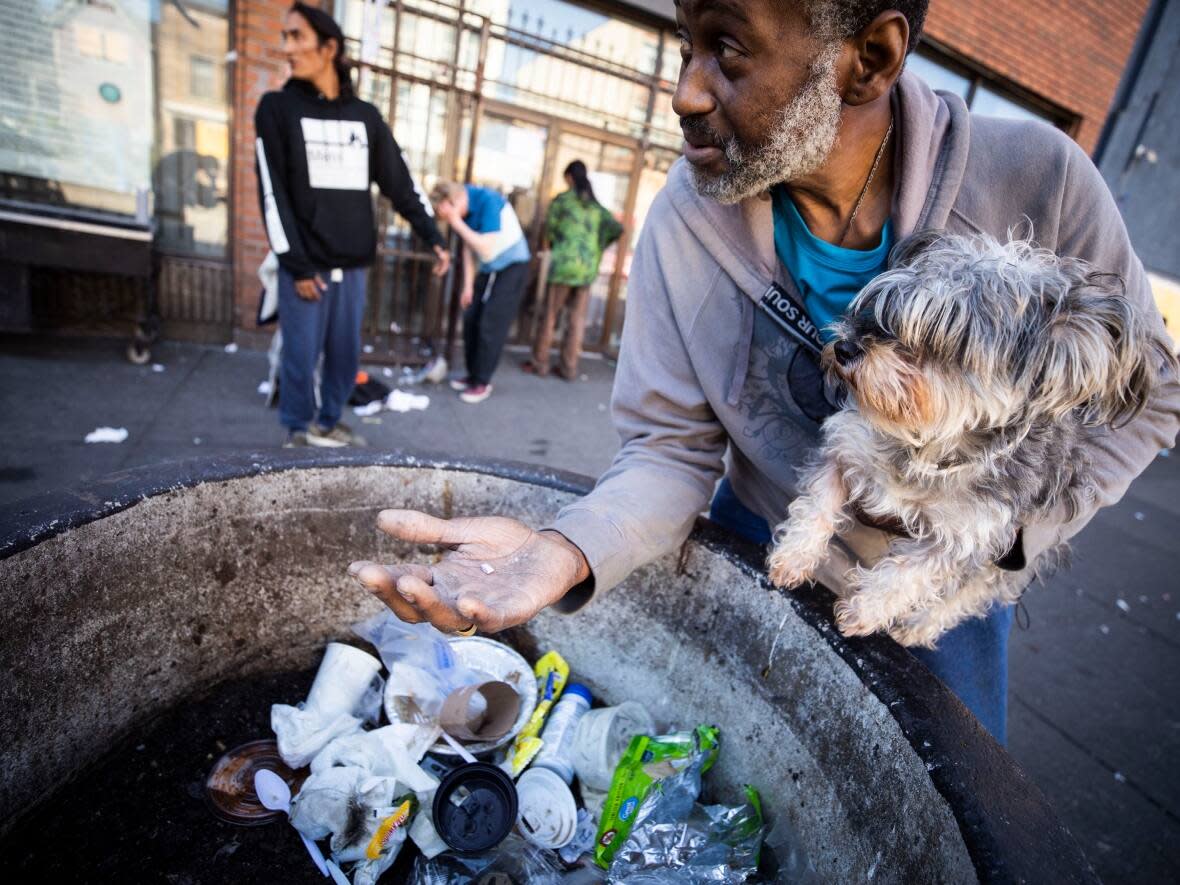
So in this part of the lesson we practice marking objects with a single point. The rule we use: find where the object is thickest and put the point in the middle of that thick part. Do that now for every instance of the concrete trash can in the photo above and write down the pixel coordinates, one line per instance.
(135, 592)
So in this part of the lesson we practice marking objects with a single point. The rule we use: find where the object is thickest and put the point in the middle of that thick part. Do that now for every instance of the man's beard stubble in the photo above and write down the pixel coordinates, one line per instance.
(799, 142)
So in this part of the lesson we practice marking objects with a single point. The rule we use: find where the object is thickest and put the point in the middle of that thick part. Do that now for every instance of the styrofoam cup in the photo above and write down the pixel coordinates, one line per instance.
(548, 814)
(602, 738)
(344, 676)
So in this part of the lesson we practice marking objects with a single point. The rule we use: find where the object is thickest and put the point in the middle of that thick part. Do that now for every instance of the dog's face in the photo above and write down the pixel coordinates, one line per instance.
(966, 337)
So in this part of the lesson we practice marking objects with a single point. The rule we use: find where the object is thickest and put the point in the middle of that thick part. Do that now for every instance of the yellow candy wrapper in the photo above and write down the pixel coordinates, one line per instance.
(552, 674)
(401, 814)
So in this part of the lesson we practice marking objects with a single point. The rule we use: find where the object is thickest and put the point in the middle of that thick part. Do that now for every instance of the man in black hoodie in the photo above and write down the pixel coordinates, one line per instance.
(319, 148)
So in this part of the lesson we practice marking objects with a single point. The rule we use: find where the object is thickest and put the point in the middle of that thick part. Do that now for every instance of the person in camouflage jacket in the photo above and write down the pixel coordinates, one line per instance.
(578, 229)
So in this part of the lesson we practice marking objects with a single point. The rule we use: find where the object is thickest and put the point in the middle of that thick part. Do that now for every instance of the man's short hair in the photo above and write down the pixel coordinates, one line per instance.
(840, 19)
(445, 190)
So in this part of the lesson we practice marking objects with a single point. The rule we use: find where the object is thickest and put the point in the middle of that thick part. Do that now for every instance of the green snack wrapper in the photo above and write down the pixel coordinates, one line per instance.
(646, 761)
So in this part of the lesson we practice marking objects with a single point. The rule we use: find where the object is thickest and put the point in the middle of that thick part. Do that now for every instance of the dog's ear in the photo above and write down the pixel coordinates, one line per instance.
(1099, 357)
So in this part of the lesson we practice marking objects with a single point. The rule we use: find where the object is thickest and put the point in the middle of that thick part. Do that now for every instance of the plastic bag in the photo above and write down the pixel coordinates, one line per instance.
(783, 861)
(676, 840)
(512, 861)
(646, 761)
(420, 645)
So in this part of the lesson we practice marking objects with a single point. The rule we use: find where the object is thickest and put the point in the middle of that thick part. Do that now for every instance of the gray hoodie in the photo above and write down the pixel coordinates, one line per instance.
(707, 383)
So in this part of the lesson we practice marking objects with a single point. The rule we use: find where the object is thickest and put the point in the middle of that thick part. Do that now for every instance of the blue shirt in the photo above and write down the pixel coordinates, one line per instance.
(490, 213)
(828, 276)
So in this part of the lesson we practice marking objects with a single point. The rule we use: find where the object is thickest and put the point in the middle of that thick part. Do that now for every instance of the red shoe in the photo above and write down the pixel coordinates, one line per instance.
(476, 393)
(531, 368)
(460, 384)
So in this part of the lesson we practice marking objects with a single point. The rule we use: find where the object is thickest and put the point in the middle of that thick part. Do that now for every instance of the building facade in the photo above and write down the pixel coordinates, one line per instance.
(1139, 156)
(504, 93)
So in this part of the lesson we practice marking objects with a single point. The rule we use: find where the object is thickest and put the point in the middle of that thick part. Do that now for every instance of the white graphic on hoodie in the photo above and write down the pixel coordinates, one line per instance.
(337, 154)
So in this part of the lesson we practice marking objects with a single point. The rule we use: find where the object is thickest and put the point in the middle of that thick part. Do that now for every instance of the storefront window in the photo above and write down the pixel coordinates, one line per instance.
(190, 180)
(76, 103)
(119, 106)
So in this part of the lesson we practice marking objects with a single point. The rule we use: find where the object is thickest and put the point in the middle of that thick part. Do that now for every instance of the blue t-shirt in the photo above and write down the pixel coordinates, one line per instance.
(490, 213)
(828, 276)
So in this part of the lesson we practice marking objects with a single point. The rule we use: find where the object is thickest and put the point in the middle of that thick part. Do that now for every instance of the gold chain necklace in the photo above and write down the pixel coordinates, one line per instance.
(864, 190)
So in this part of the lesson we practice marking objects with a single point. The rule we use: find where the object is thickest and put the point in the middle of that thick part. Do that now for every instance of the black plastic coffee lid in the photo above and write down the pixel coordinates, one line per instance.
(475, 807)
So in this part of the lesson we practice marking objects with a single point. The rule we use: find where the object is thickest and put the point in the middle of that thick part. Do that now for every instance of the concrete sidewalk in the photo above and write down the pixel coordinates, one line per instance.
(1095, 682)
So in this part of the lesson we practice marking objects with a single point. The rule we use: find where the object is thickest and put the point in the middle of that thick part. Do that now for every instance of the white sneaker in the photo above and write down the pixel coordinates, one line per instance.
(476, 393)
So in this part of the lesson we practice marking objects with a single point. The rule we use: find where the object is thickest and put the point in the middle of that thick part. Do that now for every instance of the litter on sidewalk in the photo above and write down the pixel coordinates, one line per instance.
(107, 435)
(396, 401)
(492, 770)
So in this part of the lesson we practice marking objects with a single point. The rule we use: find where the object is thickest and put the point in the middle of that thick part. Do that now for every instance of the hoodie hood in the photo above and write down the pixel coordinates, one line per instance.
(930, 158)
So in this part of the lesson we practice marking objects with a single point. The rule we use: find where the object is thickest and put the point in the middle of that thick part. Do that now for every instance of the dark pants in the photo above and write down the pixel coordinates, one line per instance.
(971, 659)
(487, 321)
(577, 300)
(331, 326)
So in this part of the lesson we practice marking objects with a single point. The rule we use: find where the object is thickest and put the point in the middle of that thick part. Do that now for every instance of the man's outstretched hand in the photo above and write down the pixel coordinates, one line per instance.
(497, 573)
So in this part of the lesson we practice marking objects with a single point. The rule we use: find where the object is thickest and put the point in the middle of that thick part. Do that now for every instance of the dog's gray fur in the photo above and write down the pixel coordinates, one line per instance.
(981, 366)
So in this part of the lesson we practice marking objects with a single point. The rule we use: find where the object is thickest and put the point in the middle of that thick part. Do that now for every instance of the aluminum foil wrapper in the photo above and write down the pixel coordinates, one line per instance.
(677, 841)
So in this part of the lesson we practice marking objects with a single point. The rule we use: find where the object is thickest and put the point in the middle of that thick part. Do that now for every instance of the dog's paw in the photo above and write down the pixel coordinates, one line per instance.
(916, 633)
(797, 555)
(861, 614)
(851, 620)
(787, 573)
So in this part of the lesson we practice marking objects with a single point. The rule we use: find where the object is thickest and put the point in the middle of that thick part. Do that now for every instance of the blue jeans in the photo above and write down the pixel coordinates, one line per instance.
(971, 659)
(331, 326)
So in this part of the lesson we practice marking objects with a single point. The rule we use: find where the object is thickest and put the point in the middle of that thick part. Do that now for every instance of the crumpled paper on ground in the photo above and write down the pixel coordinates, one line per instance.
(397, 401)
(107, 435)
(400, 401)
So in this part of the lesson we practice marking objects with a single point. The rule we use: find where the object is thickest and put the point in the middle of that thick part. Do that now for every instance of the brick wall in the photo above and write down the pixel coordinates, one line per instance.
(1071, 52)
(260, 68)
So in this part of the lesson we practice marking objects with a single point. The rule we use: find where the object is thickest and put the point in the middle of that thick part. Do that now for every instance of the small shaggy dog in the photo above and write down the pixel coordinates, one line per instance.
(973, 369)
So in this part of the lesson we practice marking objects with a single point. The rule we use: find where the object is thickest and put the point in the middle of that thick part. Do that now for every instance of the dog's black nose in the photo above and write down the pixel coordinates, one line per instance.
(846, 352)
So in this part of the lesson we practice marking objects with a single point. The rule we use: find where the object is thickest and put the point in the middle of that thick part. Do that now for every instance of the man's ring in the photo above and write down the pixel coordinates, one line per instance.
(466, 631)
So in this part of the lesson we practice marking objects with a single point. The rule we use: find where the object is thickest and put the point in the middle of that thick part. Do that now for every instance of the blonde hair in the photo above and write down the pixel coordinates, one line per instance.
(445, 190)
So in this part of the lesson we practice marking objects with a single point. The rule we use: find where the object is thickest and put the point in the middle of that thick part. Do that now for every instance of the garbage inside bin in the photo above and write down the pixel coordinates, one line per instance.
(548, 812)
(475, 807)
(602, 737)
(229, 788)
(674, 839)
(346, 694)
(647, 761)
(552, 674)
(513, 861)
(449, 700)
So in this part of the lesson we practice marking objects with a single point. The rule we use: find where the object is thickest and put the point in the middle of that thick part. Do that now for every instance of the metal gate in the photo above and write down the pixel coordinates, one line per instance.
(467, 97)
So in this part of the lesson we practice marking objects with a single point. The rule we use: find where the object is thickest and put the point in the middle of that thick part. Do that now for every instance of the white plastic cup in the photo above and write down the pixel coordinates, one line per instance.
(344, 677)
(601, 739)
(548, 814)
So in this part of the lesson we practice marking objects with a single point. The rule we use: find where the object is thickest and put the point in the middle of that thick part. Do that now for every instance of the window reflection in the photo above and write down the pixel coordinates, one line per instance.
(981, 95)
(76, 103)
(937, 75)
(191, 176)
